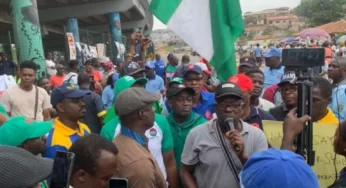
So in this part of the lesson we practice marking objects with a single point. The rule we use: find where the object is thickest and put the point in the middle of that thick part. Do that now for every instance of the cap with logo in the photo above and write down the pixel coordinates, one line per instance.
(175, 80)
(173, 91)
(247, 61)
(133, 99)
(192, 68)
(277, 168)
(68, 91)
(273, 52)
(20, 168)
(243, 81)
(127, 82)
(130, 68)
(228, 89)
(288, 77)
(17, 130)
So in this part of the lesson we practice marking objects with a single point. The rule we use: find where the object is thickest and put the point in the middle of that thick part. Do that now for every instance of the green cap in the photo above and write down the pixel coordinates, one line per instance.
(126, 82)
(176, 80)
(18, 129)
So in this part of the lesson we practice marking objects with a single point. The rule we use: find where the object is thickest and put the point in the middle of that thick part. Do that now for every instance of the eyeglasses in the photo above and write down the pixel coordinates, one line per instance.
(233, 106)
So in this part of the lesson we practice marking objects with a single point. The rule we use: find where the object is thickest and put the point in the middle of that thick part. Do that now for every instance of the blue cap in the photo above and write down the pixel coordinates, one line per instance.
(273, 52)
(192, 68)
(150, 65)
(277, 168)
(66, 91)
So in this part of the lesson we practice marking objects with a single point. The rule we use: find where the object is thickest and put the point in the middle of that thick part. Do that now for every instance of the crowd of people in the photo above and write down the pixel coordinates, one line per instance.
(160, 124)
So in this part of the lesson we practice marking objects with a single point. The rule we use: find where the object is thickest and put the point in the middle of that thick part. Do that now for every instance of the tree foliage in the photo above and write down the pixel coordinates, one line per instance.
(320, 12)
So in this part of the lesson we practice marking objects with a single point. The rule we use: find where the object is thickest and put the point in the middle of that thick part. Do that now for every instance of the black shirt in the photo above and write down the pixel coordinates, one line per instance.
(256, 116)
(7, 68)
(279, 112)
(94, 108)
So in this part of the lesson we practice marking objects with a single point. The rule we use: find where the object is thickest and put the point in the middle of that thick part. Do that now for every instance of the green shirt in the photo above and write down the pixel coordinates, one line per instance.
(180, 132)
(170, 71)
(2, 110)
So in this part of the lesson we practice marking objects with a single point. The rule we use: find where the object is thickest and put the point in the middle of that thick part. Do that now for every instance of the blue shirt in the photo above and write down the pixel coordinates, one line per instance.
(339, 101)
(256, 116)
(155, 85)
(258, 52)
(160, 68)
(108, 96)
(205, 105)
(7, 67)
(272, 76)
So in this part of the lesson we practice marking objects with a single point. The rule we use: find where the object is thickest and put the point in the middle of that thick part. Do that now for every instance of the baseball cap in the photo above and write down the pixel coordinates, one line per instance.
(273, 52)
(277, 168)
(133, 99)
(204, 68)
(192, 68)
(177, 80)
(18, 129)
(127, 82)
(108, 64)
(288, 77)
(150, 65)
(173, 91)
(228, 89)
(247, 61)
(20, 168)
(66, 91)
(130, 68)
(243, 81)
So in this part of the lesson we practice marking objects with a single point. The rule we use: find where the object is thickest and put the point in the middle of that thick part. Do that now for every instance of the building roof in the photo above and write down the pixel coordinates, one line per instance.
(254, 28)
(262, 37)
(266, 11)
(334, 27)
(278, 18)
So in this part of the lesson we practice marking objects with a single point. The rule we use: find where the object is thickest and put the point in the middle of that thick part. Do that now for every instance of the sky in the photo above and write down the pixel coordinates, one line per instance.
(249, 5)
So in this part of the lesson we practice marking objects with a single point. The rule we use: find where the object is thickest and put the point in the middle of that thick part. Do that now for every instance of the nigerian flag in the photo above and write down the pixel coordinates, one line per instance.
(209, 26)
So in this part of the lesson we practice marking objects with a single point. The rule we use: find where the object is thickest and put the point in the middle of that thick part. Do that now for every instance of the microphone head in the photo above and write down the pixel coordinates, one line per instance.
(228, 120)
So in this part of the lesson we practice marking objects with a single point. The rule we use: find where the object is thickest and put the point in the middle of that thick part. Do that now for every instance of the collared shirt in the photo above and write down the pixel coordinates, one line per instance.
(329, 118)
(205, 106)
(338, 101)
(202, 148)
(137, 165)
(256, 116)
(160, 68)
(61, 137)
(108, 96)
(279, 112)
(273, 76)
(155, 85)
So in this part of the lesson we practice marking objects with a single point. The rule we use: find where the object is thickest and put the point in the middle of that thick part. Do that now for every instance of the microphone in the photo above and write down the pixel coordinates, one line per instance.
(229, 124)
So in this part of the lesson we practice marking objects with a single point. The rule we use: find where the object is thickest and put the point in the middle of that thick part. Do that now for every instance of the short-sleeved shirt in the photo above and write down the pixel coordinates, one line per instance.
(137, 165)
(155, 85)
(329, 118)
(108, 96)
(160, 68)
(338, 104)
(258, 52)
(19, 102)
(49, 64)
(205, 106)
(273, 76)
(94, 110)
(56, 80)
(7, 68)
(202, 149)
(160, 137)
(61, 137)
(71, 78)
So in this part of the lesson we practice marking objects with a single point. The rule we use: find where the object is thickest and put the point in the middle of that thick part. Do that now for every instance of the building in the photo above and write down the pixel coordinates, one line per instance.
(291, 22)
(260, 17)
(165, 36)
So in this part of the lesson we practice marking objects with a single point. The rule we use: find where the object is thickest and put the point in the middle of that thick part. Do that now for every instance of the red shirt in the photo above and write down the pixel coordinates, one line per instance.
(97, 78)
(56, 80)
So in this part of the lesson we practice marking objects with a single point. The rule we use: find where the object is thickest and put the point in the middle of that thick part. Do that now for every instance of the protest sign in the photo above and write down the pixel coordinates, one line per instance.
(323, 137)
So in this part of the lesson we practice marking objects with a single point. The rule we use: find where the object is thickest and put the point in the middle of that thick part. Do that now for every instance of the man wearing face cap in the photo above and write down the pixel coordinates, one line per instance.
(6, 66)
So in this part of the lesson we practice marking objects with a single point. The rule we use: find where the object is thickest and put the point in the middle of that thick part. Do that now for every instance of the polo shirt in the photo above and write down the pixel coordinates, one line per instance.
(338, 101)
(155, 85)
(205, 105)
(279, 112)
(137, 165)
(61, 137)
(329, 118)
(202, 149)
(273, 76)
(256, 116)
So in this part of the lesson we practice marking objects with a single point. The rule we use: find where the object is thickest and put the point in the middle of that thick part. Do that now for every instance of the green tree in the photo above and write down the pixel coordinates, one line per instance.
(320, 12)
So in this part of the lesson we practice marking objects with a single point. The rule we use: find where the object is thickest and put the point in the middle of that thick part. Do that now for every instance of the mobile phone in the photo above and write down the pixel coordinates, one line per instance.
(118, 183)
(62, 169)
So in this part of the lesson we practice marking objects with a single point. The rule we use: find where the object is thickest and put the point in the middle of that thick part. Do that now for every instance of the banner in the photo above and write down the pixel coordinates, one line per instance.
(71, 46)
(323, 137)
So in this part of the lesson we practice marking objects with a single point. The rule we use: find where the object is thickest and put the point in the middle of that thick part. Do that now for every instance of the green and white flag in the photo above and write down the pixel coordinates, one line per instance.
(209, 26)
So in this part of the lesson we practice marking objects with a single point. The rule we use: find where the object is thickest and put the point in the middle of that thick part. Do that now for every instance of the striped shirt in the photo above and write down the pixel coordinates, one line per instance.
(61, 137)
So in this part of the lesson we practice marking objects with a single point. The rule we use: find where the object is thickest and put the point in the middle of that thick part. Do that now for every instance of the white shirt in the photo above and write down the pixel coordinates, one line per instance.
(265, 104)
(49, 64)
(73, 76)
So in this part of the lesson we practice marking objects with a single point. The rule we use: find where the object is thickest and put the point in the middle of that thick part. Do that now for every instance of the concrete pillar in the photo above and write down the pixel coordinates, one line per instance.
(27, 33)
(116, 35)
(72, 27)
